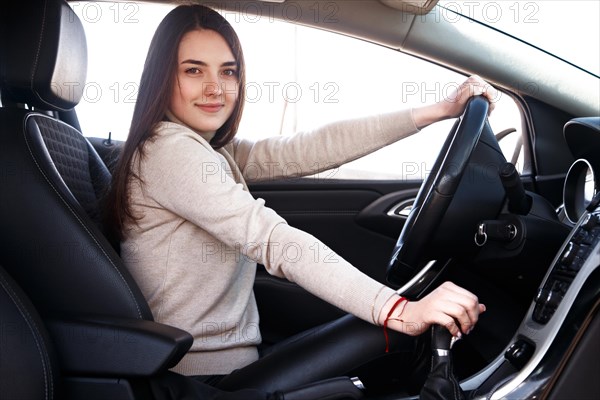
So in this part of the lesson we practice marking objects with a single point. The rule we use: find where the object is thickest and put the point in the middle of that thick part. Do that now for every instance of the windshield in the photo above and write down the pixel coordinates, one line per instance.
(567, 29)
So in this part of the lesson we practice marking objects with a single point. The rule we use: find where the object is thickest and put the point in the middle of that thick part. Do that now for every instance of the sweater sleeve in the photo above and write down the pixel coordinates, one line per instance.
(324, 148)
(187, 178)
(303, 259)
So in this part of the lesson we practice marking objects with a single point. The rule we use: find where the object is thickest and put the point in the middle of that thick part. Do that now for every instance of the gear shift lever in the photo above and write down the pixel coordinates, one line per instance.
(441, 384)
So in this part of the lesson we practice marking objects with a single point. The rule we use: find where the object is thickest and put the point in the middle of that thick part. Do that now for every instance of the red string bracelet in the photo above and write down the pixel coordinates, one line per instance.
(385, 323)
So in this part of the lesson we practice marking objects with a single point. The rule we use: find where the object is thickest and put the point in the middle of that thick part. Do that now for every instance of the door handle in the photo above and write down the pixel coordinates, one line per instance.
(402, 209)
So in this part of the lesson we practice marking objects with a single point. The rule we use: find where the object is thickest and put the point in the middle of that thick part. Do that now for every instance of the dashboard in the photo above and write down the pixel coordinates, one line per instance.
(524, 369)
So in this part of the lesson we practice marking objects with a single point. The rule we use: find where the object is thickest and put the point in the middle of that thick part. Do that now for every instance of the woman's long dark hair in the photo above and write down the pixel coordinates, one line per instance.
(154, 96)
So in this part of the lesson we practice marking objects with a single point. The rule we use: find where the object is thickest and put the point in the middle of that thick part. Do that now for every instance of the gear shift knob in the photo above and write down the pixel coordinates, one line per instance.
(441, 384)
(441, 338)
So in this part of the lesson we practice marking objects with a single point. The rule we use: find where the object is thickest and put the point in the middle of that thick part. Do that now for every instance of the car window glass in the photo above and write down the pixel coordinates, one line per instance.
(298, 78)
(537, 23)
(118, 36)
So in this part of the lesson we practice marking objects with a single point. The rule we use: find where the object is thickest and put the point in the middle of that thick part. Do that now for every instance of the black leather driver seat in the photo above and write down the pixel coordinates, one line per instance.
(28, 369)
(51, 236)
(53, 177)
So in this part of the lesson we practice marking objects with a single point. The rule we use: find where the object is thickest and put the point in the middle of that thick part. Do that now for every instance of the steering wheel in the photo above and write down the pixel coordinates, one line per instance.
(462, 189)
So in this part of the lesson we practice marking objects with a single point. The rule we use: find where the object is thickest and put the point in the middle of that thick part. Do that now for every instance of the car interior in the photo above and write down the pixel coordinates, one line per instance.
(74, 324)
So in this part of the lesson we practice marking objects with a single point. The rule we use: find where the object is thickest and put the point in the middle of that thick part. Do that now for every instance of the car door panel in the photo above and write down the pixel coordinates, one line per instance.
(351, 218)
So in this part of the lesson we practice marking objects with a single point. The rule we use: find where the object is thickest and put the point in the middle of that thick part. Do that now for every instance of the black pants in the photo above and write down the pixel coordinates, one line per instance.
(330, 350)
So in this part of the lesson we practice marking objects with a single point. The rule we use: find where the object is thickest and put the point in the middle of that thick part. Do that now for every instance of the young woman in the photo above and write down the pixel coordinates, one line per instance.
(192, 234)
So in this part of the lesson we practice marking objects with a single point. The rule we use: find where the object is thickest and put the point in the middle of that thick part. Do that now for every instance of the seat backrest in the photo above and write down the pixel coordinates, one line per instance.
(28, 369)
(52, 179)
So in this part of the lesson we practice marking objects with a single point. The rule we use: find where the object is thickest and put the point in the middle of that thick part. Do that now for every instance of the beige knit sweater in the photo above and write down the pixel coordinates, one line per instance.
(195, 249)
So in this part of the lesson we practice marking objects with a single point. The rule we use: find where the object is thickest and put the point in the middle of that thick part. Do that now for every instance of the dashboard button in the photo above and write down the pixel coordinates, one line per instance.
(519, 353)
(591, 221)
(569, 254)
(581, 237)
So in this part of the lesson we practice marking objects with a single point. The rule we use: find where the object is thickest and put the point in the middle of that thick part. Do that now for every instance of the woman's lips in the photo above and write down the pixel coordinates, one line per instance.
(210, 108)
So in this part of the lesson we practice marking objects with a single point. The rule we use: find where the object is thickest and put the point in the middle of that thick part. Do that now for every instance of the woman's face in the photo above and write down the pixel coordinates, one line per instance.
(206, 85)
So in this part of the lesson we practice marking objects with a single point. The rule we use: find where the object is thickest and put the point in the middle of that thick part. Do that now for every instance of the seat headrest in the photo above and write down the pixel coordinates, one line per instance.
(43, 54)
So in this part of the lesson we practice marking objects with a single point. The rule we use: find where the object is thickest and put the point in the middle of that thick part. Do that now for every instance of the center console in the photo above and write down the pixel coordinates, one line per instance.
(518, 372)
(584, 239)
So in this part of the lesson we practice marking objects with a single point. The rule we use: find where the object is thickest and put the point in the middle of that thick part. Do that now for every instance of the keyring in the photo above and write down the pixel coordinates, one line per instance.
(481, 233)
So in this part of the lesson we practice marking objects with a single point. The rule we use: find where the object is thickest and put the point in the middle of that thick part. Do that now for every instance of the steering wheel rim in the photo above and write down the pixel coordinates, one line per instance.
(436, 193)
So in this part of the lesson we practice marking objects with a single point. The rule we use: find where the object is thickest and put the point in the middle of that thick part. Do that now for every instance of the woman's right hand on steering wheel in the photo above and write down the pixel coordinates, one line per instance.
(454, 104)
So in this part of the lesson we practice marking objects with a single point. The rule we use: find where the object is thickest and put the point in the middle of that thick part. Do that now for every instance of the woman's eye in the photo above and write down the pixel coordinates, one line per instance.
(192, 70)
(230, 72)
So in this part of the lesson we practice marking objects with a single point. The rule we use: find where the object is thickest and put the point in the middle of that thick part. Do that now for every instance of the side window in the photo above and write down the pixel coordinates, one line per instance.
(118, 36)
(301, 77)
(297, 79)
